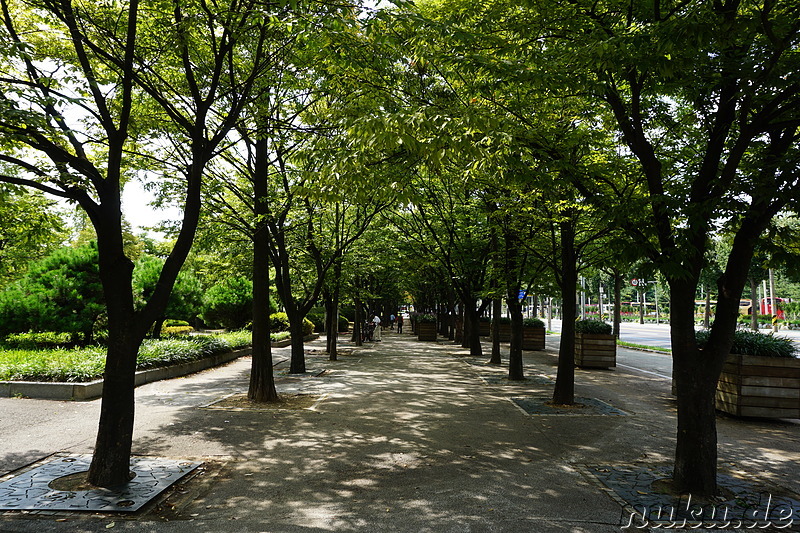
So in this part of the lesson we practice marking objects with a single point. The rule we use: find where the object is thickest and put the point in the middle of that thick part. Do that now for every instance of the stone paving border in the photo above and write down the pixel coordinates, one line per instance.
(538, 406)
(29, 489)
(494, 379)
(746, 506)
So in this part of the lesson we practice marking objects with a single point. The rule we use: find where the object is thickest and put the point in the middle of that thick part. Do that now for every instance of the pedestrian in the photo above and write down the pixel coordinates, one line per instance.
(400, 323)
(391, 322)
(376, 321)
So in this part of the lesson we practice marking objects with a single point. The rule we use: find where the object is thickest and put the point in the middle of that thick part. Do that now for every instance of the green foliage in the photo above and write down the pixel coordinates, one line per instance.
(596, 327)
(280, 322)
(229, 303)
(752, 343)
(317, 317)
(86, 364)
(30, 227)
(426, 319)
(61, 293)
(503, 320)
(533, 322)
(185, 299)
(35, 340)
(172, 322)
(344, 324)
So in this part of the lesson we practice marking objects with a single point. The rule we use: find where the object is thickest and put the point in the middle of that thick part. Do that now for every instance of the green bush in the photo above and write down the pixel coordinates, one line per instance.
(484, 319)
(86, 364)
(595, 327)
(33, 340)
(426, 319)
(317, 317)
(171, 322)
(229, 303)
(280, 322)
(503, 320)
(753, 343)
(344, 324)
(533, 322)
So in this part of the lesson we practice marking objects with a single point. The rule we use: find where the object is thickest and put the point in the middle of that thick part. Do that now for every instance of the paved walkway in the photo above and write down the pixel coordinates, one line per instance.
(411, 437)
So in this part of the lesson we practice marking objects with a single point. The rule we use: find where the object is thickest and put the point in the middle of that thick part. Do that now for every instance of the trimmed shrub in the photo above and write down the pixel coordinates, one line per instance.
(595, 327)
(229, 303)
(533, 322)
(344, 324)
(426, 319)
(280, 322)
(33, 340)
(753, 343)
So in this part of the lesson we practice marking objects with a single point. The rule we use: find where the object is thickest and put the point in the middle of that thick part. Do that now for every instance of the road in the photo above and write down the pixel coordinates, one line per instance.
(656, 335)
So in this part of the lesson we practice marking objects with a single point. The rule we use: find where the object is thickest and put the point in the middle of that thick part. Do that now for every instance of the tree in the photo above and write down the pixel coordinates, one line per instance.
(30, 228)
(60, 293)
(90, 84)
(184, 300)
(706, 99)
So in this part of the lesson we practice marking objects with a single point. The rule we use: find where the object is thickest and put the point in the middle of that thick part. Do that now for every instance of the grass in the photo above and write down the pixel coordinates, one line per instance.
(643, 346)
(86, 364)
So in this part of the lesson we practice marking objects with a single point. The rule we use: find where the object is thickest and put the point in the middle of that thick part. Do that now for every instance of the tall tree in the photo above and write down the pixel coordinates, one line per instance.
(89, 83)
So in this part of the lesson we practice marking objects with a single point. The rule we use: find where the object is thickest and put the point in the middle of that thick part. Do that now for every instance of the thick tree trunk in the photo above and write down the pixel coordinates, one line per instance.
(515, 371)
(695, 379)
(297, 363)
(262, 380)
(111, 461)
(472, 332)
(564, 391)
(358, 324)
(497, 309)
(158, 326)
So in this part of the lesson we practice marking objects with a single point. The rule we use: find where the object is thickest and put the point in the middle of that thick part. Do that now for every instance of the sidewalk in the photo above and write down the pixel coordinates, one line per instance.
(411, 437)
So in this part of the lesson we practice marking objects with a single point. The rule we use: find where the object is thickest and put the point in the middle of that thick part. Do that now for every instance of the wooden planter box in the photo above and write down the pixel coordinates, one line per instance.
(532, 338)
(593, 350)
(484, 328)
(759, 386)
(426, 331)
(505, 332)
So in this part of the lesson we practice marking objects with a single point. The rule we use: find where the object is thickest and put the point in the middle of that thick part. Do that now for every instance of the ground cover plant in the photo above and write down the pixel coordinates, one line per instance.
(86, 364)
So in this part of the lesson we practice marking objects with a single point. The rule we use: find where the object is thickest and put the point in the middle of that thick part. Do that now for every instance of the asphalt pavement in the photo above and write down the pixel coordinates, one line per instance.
(406, 436)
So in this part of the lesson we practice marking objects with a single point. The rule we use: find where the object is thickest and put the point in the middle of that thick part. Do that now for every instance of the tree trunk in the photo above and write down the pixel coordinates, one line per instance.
(157, 327)
(262, 380)
(111, 460)
(497, 309)
(707, 312)
(564, 391)
(472, 332)
(754, 304)
(617, 303)
(297, 363)
(515, 355)
(695, 381)
(358, 324)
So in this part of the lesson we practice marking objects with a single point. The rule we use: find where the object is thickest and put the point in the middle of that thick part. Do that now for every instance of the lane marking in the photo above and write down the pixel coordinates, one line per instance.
(645, 371)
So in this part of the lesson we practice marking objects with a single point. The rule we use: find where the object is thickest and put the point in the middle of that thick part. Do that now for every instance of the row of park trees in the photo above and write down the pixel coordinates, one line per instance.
(534, 138)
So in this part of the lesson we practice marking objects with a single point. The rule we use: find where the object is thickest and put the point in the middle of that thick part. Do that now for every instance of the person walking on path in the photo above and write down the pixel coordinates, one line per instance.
(400, 323)
(391, 322)
(377, 334)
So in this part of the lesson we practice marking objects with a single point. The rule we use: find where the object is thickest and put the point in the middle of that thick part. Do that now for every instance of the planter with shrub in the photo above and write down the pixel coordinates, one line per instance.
(426, 327)
(505, 328)
(532, 334)
(484, 326)
(761, 376)
(595, 346)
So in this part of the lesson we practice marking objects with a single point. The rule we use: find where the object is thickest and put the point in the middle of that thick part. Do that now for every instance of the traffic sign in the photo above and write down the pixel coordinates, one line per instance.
(636, 282)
